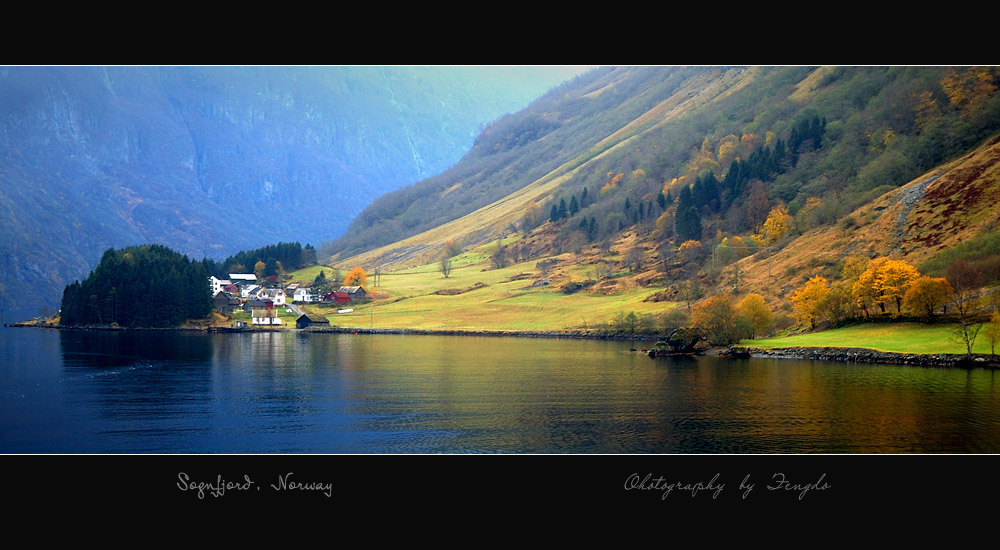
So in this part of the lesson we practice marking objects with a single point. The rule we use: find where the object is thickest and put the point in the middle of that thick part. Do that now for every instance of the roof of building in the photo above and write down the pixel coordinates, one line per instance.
(313, 318)
(243, 276)
(350, 289)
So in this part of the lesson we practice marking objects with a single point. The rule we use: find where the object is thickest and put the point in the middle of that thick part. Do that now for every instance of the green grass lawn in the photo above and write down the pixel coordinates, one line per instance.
(893, 337)
(501, 305)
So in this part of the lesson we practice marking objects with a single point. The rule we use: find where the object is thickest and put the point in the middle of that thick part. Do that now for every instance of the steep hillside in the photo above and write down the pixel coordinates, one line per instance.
(689, 182)
(211, 160)
(513, 163)
(953, 204)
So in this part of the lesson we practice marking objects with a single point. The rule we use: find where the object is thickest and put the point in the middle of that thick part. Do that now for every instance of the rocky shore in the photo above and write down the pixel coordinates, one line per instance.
(862, 355)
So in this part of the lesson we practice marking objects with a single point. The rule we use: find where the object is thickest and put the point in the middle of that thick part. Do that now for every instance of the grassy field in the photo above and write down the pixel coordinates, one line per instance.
(407, 299)
(894, 337)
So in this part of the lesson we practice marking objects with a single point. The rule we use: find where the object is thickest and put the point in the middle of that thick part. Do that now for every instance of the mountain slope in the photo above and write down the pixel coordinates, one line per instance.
(953, 204)
(211, 160)
(489, 189)
(701, 157)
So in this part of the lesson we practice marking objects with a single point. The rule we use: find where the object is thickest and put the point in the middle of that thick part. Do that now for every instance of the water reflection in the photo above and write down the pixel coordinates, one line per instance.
(317, 393)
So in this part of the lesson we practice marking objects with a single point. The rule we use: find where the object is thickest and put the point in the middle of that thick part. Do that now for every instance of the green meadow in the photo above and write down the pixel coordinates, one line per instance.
(892, 337)
(503, 301)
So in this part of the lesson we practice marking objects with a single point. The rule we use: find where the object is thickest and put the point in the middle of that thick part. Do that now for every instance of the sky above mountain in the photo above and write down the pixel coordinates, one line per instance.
(211, 160)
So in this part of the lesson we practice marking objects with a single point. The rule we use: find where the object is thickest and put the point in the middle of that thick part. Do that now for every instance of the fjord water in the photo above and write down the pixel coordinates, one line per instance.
(173, 392)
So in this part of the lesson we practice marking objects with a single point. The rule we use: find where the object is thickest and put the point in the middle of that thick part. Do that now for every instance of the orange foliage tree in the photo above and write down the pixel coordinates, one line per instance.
(893, 280)
(809, 299)
(927, 294)
(356, 277)
(884, 282)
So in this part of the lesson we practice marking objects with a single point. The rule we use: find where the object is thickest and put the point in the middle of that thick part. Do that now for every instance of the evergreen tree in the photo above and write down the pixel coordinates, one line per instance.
(583, 198)
(573, 206)
(562, 209)
(688, 224)
(554, 214)
(308, 256)
(661, 200)
(140, 286)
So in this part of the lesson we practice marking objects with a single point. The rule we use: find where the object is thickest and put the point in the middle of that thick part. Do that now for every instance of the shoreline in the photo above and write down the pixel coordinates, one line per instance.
(832, 354)
(576, 334)
(865, 355)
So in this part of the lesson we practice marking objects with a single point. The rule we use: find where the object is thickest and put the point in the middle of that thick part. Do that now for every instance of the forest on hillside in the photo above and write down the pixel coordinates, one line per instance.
(799, 146)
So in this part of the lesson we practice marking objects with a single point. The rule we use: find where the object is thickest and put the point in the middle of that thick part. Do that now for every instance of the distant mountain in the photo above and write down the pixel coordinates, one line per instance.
(211, 160)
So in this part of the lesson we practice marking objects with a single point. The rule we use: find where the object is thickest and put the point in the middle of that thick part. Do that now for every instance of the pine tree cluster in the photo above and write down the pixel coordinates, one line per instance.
(139, 286)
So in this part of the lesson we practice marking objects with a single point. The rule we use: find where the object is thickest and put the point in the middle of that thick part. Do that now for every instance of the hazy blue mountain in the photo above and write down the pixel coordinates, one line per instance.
(211, 160)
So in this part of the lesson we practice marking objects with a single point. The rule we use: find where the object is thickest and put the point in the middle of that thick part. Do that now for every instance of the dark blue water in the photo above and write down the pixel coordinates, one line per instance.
(166, 392)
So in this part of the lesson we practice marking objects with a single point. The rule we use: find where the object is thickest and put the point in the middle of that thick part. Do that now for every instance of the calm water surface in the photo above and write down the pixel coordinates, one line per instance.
(161, 392)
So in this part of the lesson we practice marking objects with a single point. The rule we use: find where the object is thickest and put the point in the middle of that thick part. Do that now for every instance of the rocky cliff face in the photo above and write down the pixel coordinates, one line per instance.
(212, 160)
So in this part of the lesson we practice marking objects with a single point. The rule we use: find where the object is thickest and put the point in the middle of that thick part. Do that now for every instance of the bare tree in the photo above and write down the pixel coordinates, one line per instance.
(965, 281)
(499, 256)
(446, 266)
(605, 247)
(633, 258)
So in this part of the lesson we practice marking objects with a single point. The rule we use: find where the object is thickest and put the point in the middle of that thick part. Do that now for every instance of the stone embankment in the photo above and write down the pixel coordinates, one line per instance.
(861, 355)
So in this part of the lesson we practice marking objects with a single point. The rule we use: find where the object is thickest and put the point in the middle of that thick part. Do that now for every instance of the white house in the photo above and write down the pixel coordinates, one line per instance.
(276, 295)
(265, 317)
(251, 291)
(302, 294)
(216, 284)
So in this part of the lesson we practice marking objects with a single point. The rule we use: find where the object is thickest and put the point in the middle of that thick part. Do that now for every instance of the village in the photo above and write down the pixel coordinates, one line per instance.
(265, 302)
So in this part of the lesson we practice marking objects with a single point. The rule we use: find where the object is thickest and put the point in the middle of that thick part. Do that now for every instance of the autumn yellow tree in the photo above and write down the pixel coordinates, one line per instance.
(927, 294)
(258, 269)
(969, 85)
(893, 280)
(926, 109)
(756, 311)
(728, 150)
(854, 266)
(664, 226)
(778, 224)
(809, 299)
(356, 277)
(884, 283)
(863, 290)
